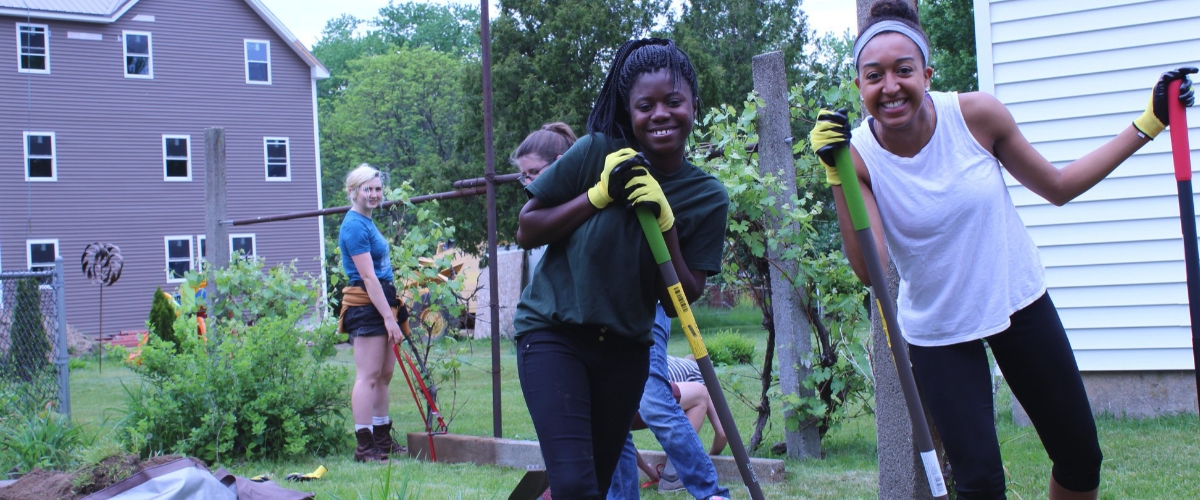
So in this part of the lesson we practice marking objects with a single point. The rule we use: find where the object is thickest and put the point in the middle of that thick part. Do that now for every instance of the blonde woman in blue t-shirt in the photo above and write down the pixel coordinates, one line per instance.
(371, 314)
(930, 168)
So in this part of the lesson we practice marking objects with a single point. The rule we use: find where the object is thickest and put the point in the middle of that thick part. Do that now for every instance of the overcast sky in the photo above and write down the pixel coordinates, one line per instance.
(306, 18)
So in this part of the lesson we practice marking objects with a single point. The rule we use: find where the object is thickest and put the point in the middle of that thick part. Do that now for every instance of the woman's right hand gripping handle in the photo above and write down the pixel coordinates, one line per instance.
(829, 138)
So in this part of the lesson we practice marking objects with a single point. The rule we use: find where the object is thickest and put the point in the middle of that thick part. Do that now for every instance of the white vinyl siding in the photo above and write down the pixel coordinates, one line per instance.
(139, 54)
(40, 254)
(247, 244)
(41, 156)
(258, 61)
(33, 48)
(178, 257)
(177, 157)
(1074, 75)
(276, 151)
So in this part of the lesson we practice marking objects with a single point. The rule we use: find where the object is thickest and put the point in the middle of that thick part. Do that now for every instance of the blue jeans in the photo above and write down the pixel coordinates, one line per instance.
(670, 426)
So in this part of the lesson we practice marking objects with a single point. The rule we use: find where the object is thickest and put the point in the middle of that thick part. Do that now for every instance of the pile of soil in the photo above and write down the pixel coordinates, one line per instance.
(54, 485)
(79, 344)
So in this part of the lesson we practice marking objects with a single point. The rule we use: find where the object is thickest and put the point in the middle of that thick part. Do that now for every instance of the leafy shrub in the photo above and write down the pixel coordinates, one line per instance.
(43, 439)
(730, 348)
(76, 364)
(162, 318)
(256, 386)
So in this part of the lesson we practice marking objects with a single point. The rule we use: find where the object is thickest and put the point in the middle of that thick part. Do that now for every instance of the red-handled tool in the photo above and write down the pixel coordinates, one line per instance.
(1182, 154)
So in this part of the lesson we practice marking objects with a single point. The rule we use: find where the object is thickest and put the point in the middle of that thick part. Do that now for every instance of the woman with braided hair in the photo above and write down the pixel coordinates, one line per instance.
(929, 164)
(584, 322)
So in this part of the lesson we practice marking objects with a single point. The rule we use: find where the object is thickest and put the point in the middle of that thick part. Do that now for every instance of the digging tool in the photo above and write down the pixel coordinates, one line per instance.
(887, 308)
(1181, 151)
(659, 247)
(429, 412)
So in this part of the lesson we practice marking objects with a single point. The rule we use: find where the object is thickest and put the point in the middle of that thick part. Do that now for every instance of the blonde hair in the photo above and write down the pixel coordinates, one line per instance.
(357, 177)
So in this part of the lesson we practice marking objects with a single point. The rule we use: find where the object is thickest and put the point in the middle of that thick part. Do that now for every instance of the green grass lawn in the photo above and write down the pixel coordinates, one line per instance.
(1152, 459)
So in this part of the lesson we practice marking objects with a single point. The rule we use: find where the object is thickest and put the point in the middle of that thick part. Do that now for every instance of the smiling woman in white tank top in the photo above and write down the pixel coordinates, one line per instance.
(930, 166)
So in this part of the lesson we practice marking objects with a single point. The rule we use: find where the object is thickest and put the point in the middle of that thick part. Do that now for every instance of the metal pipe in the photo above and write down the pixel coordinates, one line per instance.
(461, 193)
(482, 181)
(489, 153)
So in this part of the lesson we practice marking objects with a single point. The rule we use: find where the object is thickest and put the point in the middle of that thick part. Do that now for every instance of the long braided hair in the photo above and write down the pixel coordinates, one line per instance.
(610, 114)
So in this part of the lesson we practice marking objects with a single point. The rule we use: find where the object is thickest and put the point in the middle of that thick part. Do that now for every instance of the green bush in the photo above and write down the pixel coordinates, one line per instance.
(252, 391)
(28, 358)
(42, 439)
(730, 348)
(162, 318)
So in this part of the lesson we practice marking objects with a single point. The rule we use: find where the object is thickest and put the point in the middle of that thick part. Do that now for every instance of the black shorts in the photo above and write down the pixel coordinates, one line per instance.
(365, 321)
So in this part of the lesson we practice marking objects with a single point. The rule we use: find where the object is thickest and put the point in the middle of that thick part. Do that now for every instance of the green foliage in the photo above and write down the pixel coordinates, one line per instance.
(44, 439)
(340, 43)
(28, 357)
(256, 386)
(451, 28)
(162, 318)
(805, 248)
(729, 348)
(722, 36)
(950, 25)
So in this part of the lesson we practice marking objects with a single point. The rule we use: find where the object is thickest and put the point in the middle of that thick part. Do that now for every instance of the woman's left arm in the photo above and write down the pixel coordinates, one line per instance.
(994, 127)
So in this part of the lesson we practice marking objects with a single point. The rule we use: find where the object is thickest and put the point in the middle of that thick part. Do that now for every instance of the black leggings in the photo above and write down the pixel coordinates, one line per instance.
(582, 389)
(1037, 362)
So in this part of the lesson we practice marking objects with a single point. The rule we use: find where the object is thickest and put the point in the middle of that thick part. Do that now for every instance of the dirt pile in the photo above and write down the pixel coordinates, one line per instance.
(54, 485)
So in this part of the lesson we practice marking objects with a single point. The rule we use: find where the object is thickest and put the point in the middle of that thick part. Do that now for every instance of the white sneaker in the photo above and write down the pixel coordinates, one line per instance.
(667, 484)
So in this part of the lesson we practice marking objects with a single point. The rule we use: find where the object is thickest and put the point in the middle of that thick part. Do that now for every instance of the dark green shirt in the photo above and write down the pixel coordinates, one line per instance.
(603, 274)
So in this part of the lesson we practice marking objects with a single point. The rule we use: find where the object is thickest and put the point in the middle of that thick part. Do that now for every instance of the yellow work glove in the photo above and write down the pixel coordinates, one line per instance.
(831, 132)
(644, 191)
(1157, 118)
(605, 192)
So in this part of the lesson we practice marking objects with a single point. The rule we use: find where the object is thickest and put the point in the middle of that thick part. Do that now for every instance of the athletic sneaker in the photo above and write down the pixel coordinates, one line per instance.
(718, 497)
(668, 484)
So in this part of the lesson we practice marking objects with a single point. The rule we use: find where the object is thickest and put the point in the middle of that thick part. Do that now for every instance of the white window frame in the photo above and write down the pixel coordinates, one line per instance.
(149, 54)
(246, 60)
(200, 250)
(287, 145)
(53, 156)
(29, 251)
(46, 30)
(168, 260)
(165, 157)
(253, 244)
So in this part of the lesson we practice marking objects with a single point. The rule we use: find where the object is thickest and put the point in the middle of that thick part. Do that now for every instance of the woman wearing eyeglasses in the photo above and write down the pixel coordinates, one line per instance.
(371, 314)
(535, 154)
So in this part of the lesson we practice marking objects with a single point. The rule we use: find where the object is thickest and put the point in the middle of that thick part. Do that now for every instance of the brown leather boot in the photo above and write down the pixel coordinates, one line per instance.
(384, 442)
(367, 451)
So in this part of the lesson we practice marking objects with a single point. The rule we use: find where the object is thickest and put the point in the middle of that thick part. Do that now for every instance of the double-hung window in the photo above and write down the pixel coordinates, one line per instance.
(177, 157)
(201, 249)
(243, 243)
(40, 254)
(33, 48)
(40, 157)
(278, 164)
(258, 61)
(179, 257)
(139, 59)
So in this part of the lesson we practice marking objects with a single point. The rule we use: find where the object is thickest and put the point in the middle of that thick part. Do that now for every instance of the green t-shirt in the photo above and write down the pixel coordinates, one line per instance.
(603, 274)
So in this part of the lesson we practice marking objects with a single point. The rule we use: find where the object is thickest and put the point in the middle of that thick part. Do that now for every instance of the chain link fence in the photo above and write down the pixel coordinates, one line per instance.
(33, 341)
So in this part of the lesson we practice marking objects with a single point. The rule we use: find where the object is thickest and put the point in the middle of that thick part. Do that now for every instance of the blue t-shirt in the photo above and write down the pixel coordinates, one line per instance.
(359, 235)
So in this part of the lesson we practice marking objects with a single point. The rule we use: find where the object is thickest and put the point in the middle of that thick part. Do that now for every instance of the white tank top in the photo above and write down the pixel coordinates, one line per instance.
(965, 259)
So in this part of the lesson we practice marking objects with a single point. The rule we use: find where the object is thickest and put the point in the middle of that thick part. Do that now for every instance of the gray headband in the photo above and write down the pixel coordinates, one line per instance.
(890, 26)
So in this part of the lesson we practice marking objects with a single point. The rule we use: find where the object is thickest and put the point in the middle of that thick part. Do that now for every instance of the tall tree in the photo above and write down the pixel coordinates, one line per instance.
(450, 29)
(950, 25)
(339, 44)
(548, 63)
(400, 113)
(721, 37)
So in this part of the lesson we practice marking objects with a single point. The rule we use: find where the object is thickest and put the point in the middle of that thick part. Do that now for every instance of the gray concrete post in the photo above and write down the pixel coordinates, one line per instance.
(217, 239)
(793, 339)
(901, 474)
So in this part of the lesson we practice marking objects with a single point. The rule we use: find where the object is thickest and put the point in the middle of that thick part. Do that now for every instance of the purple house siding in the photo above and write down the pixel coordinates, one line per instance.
(109, 131)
